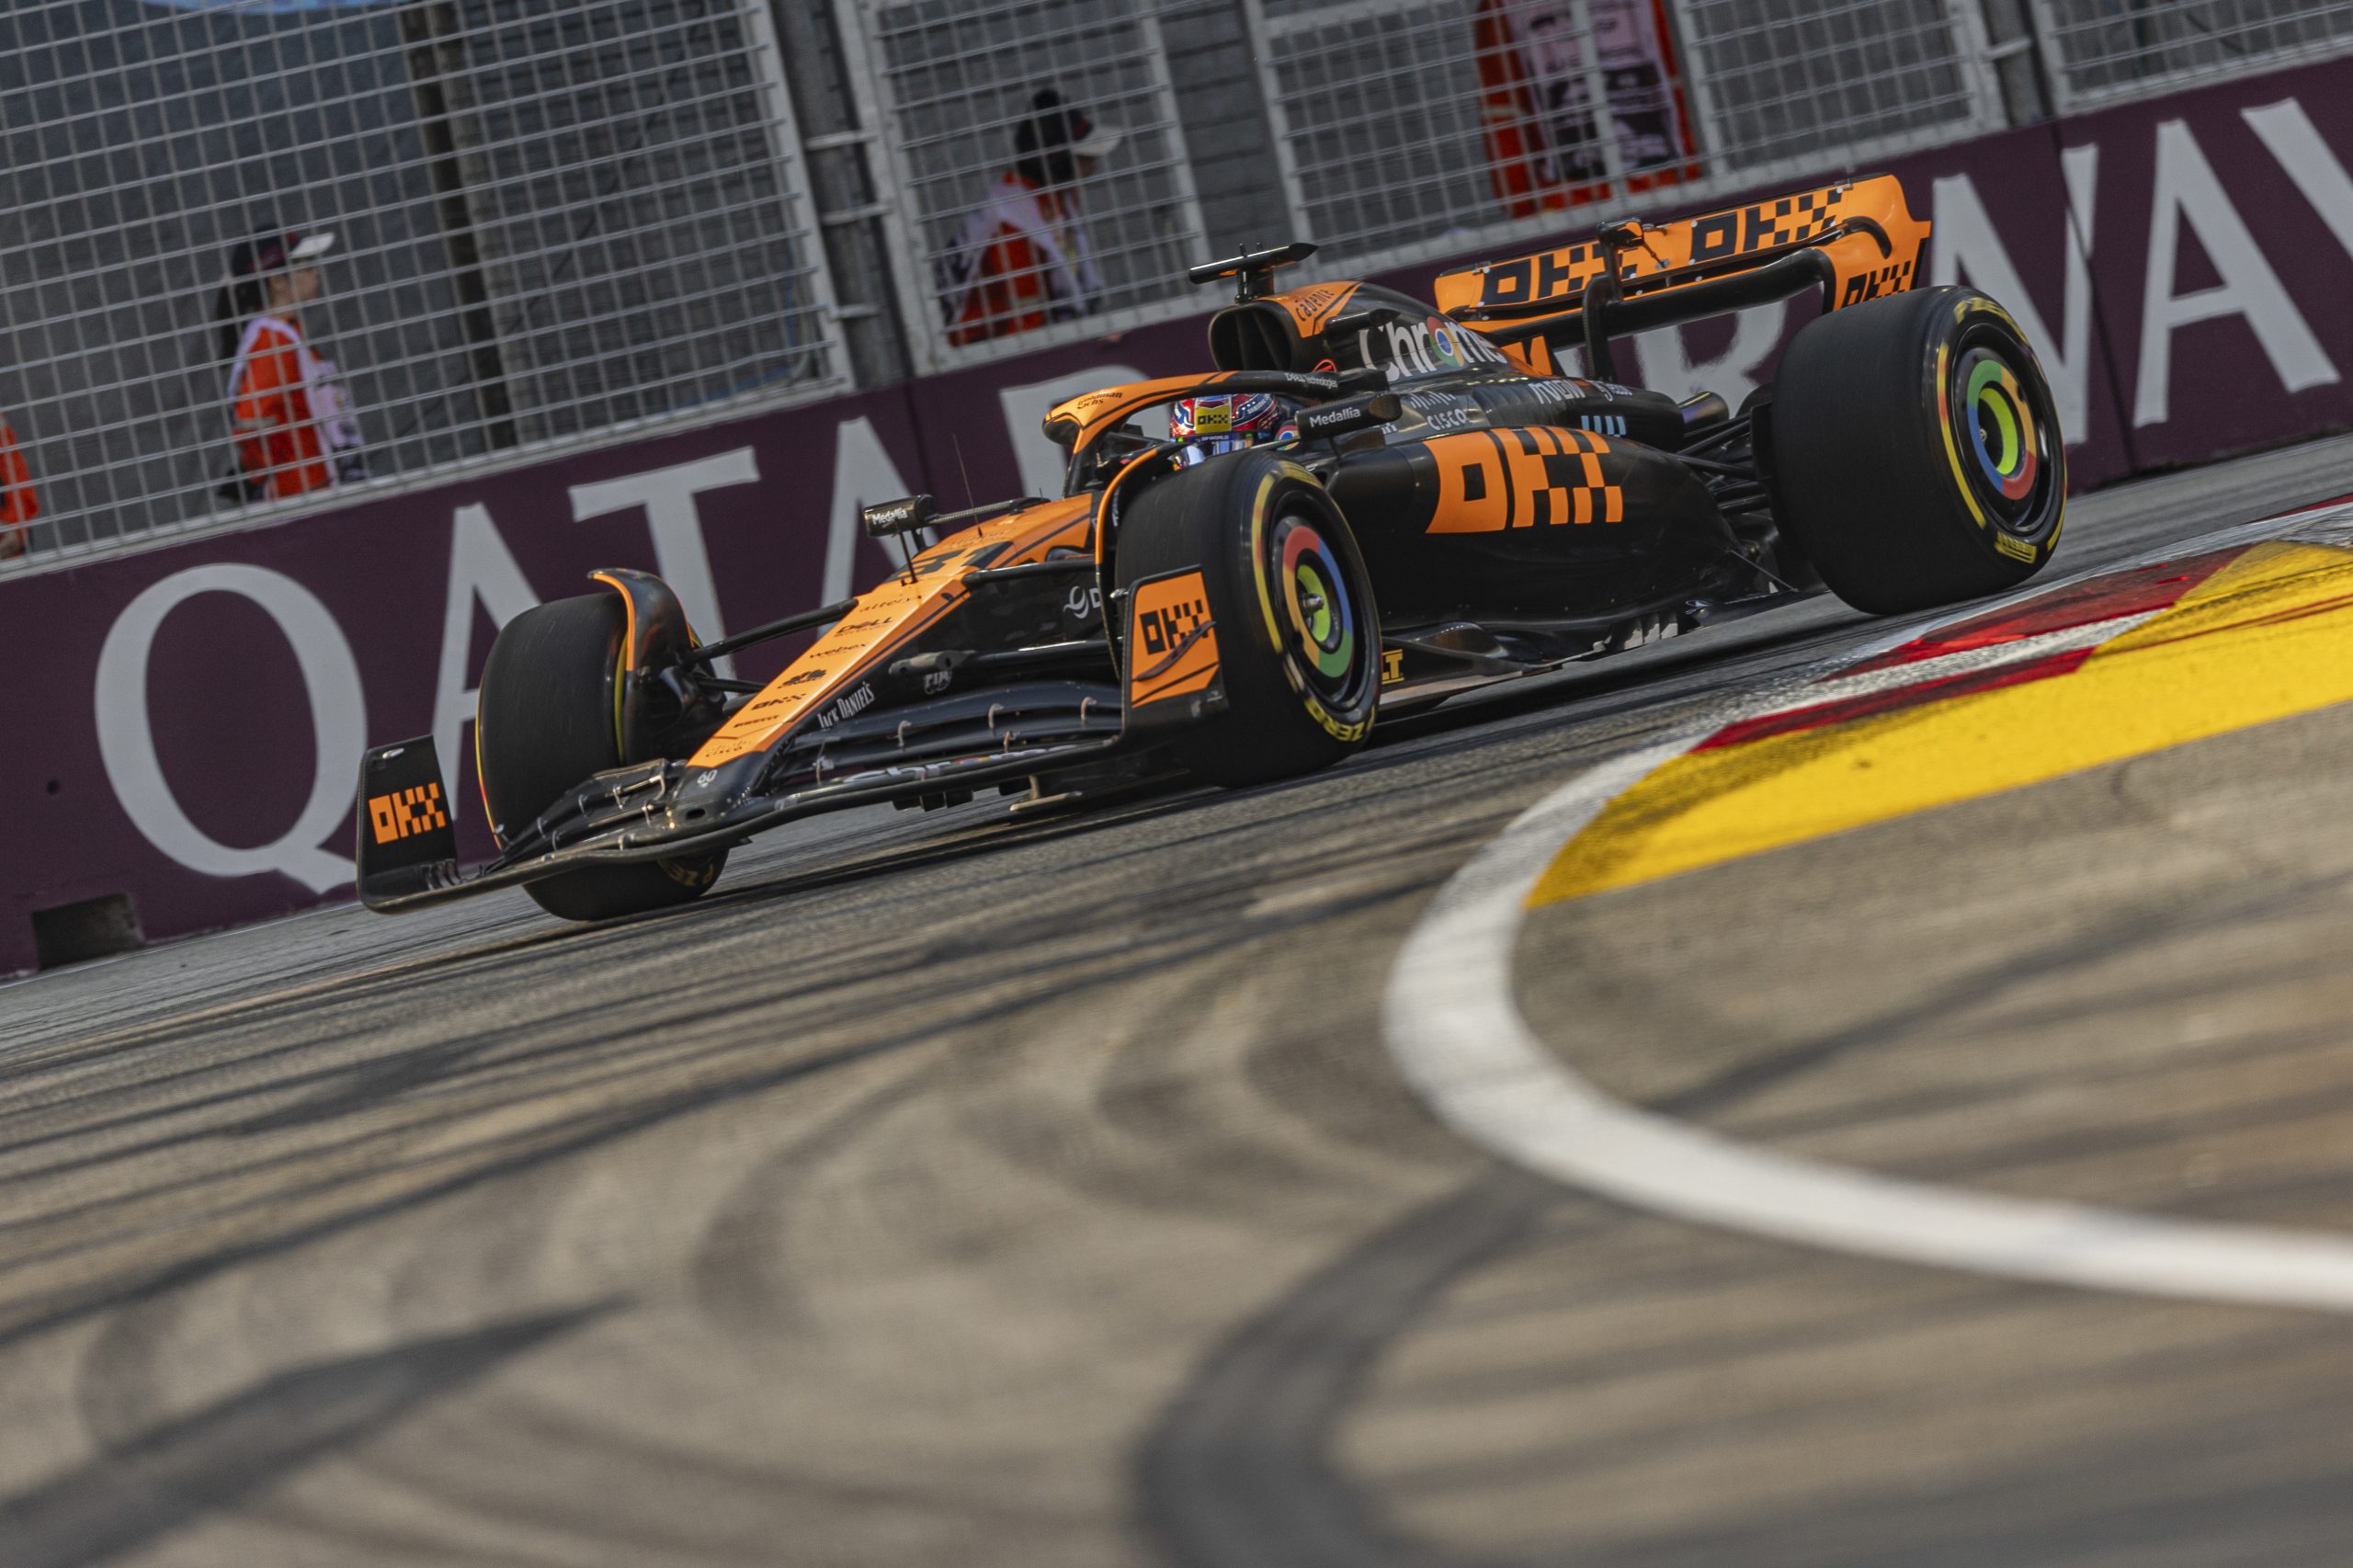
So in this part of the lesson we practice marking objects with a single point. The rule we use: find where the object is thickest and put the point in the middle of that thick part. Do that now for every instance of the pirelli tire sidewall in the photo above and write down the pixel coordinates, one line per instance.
(1282, 715)
(1917, 457)
(546, 716)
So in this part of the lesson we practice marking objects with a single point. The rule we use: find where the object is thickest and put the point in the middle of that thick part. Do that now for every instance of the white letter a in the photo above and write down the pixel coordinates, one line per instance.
(1967, 246)
(2187, 189)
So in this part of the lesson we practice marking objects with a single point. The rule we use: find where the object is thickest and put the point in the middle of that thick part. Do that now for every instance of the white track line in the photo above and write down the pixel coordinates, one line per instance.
(1969, 660)
(1458, 1037)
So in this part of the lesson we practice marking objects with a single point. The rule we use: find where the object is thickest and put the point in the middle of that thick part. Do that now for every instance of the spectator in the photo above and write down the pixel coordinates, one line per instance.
(19, 505)
(1021, 257)
(1544, 149)
(290, 423)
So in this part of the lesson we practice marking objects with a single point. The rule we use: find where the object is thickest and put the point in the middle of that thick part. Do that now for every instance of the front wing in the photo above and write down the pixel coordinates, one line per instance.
(408, 851)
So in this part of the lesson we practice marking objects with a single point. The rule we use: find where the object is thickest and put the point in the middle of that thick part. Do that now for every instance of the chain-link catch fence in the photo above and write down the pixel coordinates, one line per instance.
(280, 253)
(266, 253)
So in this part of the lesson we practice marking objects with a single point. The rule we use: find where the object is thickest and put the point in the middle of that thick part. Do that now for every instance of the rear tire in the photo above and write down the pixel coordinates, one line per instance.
(547, 719)
(1917, 459)
(1298, 636)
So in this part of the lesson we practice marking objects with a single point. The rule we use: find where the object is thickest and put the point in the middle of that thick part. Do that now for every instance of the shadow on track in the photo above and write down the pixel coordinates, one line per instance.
(1239, 1470)
(136, 1491)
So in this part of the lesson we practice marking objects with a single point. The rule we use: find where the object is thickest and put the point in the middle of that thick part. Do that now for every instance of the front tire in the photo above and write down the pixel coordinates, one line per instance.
(1917, 459)
(1298, 635)
(546, 718)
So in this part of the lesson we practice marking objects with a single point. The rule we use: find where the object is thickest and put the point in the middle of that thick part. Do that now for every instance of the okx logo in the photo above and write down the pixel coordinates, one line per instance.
(405, 812)
(1169, 625)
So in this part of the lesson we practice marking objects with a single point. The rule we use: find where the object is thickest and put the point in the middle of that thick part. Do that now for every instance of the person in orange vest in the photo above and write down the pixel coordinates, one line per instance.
(19, 505)
(290, 421)
(1021, 257)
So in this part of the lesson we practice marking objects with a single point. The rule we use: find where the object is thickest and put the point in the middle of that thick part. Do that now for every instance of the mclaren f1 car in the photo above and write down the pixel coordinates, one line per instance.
(1446, 500)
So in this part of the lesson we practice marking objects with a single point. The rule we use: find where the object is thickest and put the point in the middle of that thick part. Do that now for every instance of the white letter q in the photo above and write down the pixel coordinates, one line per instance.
(338, 721)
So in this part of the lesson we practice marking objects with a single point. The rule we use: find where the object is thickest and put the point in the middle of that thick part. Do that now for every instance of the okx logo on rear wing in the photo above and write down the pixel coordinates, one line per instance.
(1853, 242)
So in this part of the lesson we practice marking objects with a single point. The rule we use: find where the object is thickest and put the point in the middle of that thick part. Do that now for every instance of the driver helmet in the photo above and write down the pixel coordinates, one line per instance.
(1209, 425)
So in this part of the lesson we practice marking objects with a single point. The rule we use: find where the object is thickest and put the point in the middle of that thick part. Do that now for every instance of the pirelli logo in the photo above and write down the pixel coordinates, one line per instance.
(405, 813)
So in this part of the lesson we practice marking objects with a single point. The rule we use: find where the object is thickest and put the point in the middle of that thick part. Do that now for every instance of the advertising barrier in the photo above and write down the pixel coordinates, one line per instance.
(184, 723)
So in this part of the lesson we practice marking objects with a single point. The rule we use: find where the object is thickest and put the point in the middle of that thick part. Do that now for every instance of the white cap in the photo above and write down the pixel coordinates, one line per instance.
(1102, 138)
(310, 248)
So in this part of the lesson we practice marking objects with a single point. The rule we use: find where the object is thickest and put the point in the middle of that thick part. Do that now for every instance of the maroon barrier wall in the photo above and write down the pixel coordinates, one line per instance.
(183, 724)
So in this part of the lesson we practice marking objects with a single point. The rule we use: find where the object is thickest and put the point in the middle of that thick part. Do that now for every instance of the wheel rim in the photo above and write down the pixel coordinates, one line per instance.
(1318, 624)
(2005, 453)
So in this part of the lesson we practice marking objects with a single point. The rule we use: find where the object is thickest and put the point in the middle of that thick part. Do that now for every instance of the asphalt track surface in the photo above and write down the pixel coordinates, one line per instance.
(957, 1189)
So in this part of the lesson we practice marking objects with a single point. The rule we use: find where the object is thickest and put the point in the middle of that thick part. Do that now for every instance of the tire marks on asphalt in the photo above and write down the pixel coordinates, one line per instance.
(1456, 1033)
(1239, 1473)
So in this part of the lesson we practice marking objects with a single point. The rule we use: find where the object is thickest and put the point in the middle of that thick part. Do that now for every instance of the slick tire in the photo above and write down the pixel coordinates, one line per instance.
(1917, 459)
(546, 718)
(1291, 605)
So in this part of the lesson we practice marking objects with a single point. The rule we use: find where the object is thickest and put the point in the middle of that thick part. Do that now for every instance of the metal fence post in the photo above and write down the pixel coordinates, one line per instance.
(1262, 56)
(1180, 173)
(839, 150)
(430, 31)
(2016, 33)
(1706, 114)
(918, 310)
(784, 146)
(1596, 95)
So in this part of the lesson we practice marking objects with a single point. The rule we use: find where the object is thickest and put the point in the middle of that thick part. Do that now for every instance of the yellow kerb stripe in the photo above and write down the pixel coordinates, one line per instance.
(2268, 637)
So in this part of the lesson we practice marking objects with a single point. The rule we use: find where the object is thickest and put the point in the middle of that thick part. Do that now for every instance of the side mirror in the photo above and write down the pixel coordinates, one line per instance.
(901, 517)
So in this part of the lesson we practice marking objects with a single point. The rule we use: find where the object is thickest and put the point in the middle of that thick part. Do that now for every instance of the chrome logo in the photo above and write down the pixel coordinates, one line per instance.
(1446, 353)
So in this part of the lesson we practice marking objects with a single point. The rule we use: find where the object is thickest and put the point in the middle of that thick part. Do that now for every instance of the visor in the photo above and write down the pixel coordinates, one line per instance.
(271, 252)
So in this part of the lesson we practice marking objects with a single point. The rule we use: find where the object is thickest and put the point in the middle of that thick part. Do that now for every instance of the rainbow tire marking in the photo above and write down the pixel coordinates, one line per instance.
(1315, 592)
(2001, 424)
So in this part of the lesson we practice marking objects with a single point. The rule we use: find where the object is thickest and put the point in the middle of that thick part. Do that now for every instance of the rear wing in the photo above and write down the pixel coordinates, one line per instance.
(1853, 242)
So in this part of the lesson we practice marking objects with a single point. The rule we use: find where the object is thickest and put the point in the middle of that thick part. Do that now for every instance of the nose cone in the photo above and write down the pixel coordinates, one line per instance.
(705, 795)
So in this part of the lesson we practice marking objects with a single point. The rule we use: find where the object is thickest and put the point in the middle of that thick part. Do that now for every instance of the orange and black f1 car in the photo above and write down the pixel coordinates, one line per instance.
(1447, 507)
